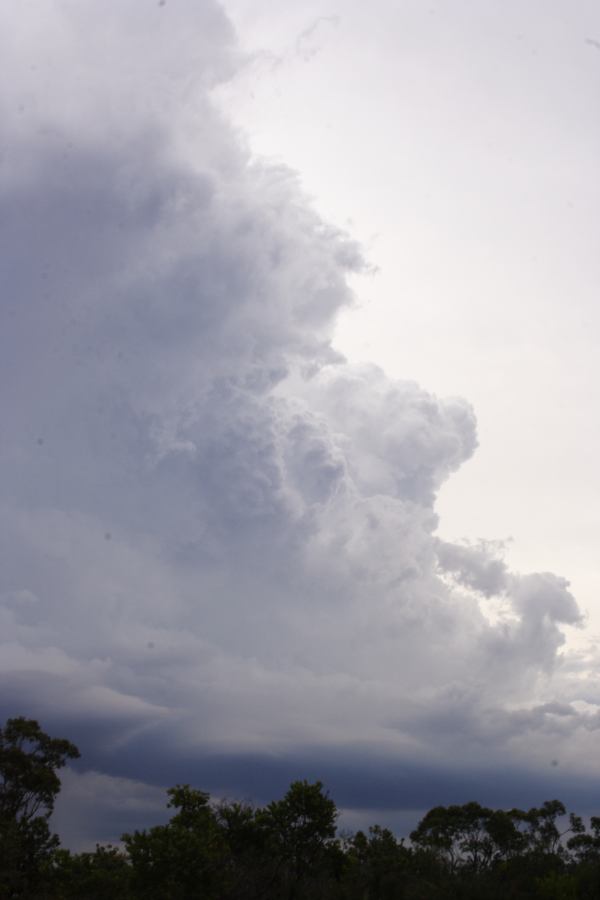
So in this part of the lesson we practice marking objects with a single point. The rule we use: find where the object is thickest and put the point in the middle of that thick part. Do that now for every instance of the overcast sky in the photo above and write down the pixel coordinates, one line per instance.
(298, 331)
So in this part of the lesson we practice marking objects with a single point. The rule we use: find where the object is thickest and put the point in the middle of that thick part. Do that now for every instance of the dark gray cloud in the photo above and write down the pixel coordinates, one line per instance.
(368, 788)
(219, 553)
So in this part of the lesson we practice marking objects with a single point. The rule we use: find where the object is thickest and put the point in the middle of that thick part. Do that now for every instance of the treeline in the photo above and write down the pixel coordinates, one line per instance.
(287, 850)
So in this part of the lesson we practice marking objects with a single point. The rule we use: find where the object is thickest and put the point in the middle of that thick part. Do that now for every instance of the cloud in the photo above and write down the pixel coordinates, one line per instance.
(219, 535)
(477, 566)
(113, 799)
(305, 42)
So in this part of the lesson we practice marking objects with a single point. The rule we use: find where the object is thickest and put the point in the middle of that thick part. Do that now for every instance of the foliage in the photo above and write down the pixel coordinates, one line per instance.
(184, 858)
(29, 760)
(94, 876)
(299, 834)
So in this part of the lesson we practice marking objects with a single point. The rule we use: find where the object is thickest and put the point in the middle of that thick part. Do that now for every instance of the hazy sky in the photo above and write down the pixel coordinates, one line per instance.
(298, 329)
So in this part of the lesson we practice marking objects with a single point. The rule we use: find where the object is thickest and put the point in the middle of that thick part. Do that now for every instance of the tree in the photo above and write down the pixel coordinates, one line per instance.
(457, 834)
(300, 832)
(104, 874)
(377, 865)
(183, 859)
(248, 872)
(585, 846)
(29, 760)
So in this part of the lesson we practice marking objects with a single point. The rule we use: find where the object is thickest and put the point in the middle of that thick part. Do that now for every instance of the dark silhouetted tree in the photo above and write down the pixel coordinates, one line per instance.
(185, 858)
(29, 760)
(300, 833)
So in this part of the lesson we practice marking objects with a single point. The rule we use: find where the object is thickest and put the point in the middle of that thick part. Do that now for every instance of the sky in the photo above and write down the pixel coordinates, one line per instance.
(459, 141)
(300, 425)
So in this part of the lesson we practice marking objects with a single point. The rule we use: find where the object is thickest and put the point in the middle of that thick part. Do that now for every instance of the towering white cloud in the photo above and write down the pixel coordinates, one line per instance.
(219, 536)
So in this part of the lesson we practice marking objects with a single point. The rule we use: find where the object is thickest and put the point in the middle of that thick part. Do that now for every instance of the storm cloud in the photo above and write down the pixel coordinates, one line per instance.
(219, 557)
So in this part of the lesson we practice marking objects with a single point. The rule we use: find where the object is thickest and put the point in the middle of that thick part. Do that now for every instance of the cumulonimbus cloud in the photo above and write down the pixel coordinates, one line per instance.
(219, 535)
